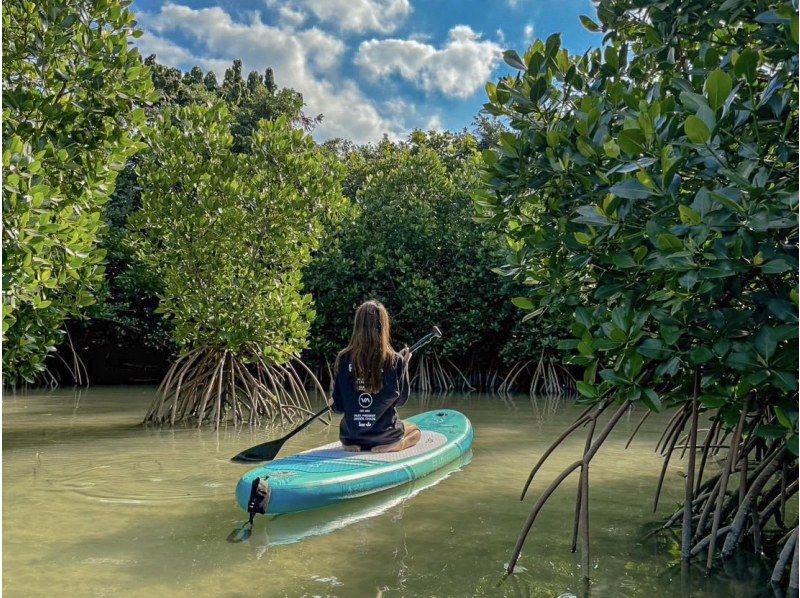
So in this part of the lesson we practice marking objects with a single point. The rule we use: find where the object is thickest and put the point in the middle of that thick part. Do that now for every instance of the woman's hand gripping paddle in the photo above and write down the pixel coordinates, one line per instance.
(267, 451)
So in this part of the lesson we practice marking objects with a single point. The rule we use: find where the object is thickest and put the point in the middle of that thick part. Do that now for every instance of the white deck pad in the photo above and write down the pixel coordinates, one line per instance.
(429, 440)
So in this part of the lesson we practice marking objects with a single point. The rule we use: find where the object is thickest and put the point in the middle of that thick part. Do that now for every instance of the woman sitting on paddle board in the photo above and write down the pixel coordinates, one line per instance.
(371, 382)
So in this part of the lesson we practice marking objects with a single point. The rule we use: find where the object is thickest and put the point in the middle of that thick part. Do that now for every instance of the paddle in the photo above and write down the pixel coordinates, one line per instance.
(267, 451)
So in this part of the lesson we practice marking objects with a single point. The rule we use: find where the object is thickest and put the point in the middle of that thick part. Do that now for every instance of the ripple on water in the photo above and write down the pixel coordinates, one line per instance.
(103, 483)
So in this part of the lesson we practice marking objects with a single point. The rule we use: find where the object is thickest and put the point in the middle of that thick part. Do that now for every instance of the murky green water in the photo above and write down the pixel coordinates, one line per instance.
(96, 505)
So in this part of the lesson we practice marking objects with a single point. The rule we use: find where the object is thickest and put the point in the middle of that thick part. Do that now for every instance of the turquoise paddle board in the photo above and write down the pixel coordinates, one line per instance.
(328, 475)
(284, 529)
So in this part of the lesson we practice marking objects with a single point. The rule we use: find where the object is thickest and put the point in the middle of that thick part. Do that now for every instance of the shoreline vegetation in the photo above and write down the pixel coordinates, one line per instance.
(618, 227)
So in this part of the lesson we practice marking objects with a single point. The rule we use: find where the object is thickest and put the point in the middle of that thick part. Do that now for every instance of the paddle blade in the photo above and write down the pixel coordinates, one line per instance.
(263, 452)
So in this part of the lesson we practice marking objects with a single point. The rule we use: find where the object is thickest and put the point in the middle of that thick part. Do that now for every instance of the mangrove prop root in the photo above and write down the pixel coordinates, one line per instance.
(724, 485)
(706, 447)
(739, 520)
(639, 425)
(582, 419)
(210, 385)
(774, 507)
(783, 558)
(681, 422)
(686, 527)
(579, 498)
(584, 519)
(678, 413)
(698, 548)
(578, 423)
(582, 463)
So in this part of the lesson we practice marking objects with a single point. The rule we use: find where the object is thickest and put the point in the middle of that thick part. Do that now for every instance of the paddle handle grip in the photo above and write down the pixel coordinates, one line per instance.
(424, 340)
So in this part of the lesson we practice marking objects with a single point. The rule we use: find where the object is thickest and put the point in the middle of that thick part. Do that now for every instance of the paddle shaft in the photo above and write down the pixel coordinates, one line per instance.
(418, 345)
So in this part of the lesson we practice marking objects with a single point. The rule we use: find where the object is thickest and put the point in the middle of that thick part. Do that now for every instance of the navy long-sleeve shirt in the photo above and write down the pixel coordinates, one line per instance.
(370, 419)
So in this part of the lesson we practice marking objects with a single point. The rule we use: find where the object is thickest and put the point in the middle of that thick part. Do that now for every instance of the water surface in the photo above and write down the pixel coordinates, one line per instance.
(94, 504)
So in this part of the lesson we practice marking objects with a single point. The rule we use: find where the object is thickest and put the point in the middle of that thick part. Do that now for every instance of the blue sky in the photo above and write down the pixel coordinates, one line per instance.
(371, 67)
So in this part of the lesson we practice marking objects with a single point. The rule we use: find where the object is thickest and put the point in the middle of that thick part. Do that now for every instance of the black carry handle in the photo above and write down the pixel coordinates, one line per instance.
(267, 451)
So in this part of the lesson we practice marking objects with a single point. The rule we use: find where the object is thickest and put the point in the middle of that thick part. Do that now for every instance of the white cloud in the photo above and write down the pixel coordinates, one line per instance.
(434, 123)
(527, 33)
(357, 16)
(173, 55)
(412, 115)
(291, 17)
(302, 60)
(458, 69)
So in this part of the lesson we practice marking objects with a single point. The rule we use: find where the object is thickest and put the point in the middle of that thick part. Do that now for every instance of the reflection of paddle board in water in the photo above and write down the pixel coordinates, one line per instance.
(291, 528)
(327, 475)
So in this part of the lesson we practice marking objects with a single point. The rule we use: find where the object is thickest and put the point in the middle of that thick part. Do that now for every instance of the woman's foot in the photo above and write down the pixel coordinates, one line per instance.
(410, 438)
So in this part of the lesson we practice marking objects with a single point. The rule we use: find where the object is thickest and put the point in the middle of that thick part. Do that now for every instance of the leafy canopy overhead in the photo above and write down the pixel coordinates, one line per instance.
(70, 84)
(649, 191)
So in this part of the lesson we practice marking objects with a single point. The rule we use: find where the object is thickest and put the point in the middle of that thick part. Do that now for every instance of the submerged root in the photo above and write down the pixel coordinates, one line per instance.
(582, 512)
(719, 518)
(433, 374)
(540, 376)
(741, 505)
(212, 385)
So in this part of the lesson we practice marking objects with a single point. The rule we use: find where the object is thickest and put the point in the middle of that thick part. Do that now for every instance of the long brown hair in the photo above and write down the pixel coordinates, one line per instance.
(369, 348)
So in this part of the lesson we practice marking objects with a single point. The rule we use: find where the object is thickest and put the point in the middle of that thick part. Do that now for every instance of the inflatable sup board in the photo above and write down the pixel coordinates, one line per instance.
(284, 529)
(328, 475)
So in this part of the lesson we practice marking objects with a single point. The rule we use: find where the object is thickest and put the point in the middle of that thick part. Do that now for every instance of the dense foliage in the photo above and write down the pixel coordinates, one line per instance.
(649, 189)
(227, 233)
(124, 331)
(70, 85)
(409, 241)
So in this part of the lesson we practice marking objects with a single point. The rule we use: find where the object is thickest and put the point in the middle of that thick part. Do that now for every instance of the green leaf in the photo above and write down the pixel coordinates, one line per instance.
(668, 242)
(589, 24)
(777, 266)
(746, 65)
(632, 141)
(513, 60)
(592, 215)
(611, 148)
(771, 17)
(791, 442)
(584, 316)
(700, 355)
(670, 334)
(688, 215)
(783, 418)
(631, 189)
(653, 348)
(765, 343)
(717, 87)
(712, 401)
(523, 303)
(669, 368)
(652, 400)
(696, 130)
(587, 390)
(770, 432)
(612, 376)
